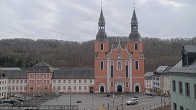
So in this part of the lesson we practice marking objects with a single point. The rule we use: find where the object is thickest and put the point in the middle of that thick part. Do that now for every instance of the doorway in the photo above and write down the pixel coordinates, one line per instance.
(101, 89)
(137, 89)
(119, 88)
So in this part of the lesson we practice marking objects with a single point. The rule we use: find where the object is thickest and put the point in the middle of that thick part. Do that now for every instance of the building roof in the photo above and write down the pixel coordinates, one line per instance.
(190, 48)
(15, 74)
(149, 74)
(42, 67)
(75, 73)
(134, 17)
(161, 69)
(42, 64)
(101, 35)
(134, 35)
(186, 70)
(10, 68)
(101, 19)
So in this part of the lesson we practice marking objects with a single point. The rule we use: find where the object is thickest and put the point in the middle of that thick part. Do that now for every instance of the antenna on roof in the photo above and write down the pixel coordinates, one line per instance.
(133, 4)
(101, 3)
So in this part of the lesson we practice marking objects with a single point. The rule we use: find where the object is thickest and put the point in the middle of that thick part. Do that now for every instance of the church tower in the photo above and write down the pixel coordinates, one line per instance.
(135, 47)
(101, 50)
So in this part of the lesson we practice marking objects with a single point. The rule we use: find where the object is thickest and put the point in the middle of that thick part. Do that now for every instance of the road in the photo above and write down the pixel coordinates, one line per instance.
(97, 101)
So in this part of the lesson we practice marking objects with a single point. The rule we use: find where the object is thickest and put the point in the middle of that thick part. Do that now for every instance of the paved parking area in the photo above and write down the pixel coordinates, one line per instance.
(96, 101)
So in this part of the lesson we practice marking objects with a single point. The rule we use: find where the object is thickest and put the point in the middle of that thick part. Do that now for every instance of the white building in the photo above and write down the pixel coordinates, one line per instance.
(16, 81)
(76, 80)
(148, 82)
(161, 80)
(3, 85)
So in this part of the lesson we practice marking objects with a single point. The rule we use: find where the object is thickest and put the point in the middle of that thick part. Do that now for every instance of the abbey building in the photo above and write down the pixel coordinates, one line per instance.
(118, 68)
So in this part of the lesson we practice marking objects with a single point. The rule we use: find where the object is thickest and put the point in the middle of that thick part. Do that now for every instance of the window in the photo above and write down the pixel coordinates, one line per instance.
(64, 81)
(9, 81)
(126, 71)
(69, 81)
(136, 46)
(119, 65)
(84, 87)
(112, 84)
(85, 81)
(16, 87)
(127, 84)
(137, 65)
(112, 71)
(20, 87)
(175, 106)
(79, 81)
(101, 65)
(180, 88)
(79, 87)
(102, 46)
(13, 87)
(59, 81)
(54, 88)
(74, 81)
(74, 87)
(195, 91)
(64, 87)
(187, 89)
(21, 81)
(17, 81)
(174, 86)
(54, 81)
(90, 80)
(59, 88)
(181, 108)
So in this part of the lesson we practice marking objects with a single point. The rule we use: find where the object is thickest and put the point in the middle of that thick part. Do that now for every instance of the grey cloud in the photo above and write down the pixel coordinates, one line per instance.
(77, 19)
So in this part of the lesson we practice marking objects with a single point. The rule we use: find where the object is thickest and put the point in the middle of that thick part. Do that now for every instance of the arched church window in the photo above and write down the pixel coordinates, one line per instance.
(119, 65)
(126, 70)
(136, 46)
(102, 46)
(137, 65)
(101, 65)
(112, 69)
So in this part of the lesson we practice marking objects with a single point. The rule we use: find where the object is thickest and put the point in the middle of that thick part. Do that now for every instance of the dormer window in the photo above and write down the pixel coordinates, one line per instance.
(102, 46)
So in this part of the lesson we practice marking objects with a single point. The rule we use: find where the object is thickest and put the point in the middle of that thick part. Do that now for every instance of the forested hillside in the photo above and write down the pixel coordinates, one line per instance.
(58, 53)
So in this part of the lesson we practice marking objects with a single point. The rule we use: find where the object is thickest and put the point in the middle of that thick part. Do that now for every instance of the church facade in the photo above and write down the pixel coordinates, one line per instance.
(118, 68)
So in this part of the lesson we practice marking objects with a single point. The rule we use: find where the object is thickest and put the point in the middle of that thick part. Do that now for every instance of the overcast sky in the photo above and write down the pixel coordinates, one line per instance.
(77, 20)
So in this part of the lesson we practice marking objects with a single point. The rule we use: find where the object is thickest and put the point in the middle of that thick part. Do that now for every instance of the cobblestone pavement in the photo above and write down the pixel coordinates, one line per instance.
(101, 101)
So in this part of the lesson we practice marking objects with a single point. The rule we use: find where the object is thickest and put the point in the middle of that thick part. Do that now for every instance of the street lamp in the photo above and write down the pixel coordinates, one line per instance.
(113, 96)
(70, 96)
(122, 101)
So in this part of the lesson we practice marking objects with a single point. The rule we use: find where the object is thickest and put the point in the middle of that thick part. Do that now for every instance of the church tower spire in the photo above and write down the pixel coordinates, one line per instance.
(134, 35)
(101, 35)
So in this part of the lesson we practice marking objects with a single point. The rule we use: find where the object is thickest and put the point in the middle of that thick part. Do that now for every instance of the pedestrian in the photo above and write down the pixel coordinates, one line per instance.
(117, 108)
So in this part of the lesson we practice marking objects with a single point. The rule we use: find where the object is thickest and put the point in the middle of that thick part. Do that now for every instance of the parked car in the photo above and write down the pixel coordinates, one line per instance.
(132, 101)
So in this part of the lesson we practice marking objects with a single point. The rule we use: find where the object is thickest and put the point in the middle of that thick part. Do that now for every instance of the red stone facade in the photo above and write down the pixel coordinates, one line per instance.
(118, 69)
